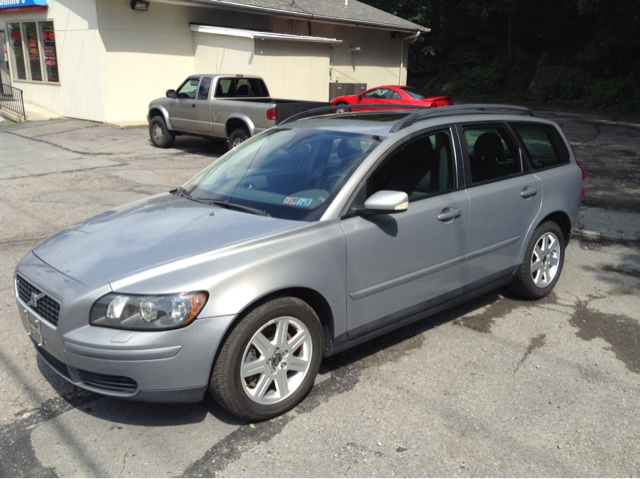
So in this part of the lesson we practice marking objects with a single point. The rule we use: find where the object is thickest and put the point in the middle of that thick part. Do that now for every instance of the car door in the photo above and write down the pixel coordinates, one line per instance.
(378, 96)
(203, 107)
(504, 197)
(403, 263)
(182, 109)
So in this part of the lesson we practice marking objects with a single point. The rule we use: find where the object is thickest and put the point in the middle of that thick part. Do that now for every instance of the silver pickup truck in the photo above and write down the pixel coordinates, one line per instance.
(232, 107)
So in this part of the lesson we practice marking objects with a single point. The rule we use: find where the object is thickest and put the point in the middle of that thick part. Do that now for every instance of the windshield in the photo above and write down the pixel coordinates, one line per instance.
(289, 174)
(413, 93)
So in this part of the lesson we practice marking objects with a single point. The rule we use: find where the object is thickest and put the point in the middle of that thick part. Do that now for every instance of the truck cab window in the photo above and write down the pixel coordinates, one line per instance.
(189, 88)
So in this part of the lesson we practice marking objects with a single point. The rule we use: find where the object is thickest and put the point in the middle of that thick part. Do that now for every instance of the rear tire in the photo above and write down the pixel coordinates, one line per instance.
(270, 360)
(543, 262)
(160, 134)
(237, 137)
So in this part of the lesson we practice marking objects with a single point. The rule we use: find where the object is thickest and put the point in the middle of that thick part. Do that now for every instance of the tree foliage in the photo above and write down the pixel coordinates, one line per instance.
(582, 32)
(499, 47)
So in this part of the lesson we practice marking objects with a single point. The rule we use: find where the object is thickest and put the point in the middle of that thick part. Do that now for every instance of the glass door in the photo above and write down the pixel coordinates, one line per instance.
(4, 60)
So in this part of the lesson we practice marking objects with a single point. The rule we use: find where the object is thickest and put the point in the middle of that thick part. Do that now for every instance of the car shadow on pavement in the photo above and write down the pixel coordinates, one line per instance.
(389, 345)
(133, 413)
(197, 145)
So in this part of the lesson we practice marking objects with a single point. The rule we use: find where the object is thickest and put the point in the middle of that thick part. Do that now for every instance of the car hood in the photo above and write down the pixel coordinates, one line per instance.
(148, 233)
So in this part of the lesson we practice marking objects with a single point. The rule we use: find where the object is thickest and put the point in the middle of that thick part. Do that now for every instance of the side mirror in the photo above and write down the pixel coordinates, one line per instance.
(388, 202)
(171, 94)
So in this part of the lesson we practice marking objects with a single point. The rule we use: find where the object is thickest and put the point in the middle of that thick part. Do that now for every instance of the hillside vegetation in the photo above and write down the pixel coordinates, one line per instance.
(563, 52)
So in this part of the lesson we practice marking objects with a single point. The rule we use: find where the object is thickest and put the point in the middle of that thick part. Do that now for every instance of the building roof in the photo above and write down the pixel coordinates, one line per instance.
(349, 12)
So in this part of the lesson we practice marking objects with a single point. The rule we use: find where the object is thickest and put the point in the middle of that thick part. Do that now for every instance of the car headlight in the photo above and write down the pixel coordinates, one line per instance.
(147, 313)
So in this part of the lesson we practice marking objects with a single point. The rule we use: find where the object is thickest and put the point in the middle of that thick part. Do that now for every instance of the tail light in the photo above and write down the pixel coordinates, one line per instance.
(272, 114)
(581, 169)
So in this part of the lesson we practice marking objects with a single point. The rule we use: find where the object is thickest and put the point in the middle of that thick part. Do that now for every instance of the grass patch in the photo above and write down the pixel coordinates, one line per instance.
(7, 122)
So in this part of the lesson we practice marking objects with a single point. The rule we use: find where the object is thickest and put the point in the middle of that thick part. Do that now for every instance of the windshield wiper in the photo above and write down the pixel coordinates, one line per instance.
(229, 204)
(180, 191)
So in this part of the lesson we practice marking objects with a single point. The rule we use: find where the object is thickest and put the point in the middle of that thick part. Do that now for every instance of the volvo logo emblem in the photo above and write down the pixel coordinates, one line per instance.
(33, 302)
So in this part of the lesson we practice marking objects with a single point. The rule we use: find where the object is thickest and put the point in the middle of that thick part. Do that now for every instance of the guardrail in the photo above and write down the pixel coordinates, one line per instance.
(11, 99)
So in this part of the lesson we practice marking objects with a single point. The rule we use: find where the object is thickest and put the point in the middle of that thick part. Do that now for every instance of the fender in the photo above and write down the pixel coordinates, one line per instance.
(243, 118)
(163, 112)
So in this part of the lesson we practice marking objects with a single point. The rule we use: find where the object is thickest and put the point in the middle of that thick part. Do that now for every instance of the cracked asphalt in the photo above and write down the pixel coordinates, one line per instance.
(495, 387)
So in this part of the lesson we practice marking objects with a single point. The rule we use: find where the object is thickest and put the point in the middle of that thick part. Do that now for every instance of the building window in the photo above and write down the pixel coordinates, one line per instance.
(48, 37)
(33, 51)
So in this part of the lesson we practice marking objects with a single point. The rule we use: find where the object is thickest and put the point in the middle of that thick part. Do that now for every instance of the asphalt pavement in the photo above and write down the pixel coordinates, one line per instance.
(496, 387)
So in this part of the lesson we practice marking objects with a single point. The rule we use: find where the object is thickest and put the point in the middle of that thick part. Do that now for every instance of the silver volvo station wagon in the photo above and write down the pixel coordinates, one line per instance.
(310, 238)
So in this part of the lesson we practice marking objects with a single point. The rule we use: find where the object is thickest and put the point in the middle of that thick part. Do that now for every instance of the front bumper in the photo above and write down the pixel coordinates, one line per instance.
(157, 366)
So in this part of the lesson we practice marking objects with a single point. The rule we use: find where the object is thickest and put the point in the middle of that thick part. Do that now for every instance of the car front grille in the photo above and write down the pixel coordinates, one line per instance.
(106, 382)
(47, 307)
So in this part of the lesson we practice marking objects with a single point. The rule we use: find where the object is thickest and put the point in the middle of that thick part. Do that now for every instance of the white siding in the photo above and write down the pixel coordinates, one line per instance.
(114, 60)
(79, 94)
(293, 70)
(223, 54)
(377, 63)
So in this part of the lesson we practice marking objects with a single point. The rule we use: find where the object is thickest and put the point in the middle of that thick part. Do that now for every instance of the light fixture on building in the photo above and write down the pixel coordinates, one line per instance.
(139, 5)
(355, 49)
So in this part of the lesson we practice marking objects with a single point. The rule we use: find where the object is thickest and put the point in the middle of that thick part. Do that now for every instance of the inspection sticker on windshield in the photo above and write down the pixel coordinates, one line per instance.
(304, 202)
(291, 200)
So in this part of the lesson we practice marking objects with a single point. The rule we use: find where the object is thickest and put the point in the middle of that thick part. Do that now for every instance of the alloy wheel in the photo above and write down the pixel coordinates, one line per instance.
(276, 360)
(545, 260)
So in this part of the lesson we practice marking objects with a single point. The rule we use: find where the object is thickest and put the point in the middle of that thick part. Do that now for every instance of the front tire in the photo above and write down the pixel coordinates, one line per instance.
(160, 134)
(341, 108)
(543, 262)
(270, 360)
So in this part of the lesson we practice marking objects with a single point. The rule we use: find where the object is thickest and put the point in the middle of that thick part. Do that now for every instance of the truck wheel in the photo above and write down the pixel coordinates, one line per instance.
(270, 360)
(341, 108)
(543, 261)
(237, 136)
(160, 135)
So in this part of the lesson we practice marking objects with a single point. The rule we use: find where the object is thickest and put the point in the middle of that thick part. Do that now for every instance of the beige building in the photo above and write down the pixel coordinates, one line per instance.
(104, 60)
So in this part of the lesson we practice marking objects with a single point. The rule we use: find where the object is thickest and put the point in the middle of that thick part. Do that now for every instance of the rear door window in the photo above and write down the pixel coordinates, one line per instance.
(493, 153)
(543, 143)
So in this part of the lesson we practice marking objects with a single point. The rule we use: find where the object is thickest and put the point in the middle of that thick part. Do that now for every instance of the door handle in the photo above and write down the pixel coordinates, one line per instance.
(528, 192)
(193, 105)
(449, 214)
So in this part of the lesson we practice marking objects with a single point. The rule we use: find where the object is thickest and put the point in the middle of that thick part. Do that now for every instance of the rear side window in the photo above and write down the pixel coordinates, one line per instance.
(203, 91)
(543, 143)
(247, 87)
(493, 153)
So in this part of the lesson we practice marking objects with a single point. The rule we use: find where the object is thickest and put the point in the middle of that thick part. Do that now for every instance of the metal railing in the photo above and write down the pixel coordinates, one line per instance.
(11, 99)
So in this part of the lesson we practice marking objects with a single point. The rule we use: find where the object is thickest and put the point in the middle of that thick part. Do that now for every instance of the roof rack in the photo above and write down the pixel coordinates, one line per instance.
(421, 113)
(332, 109)
(443, 110)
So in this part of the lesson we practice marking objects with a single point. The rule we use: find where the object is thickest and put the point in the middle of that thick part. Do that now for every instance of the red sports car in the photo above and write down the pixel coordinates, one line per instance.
(394, 95)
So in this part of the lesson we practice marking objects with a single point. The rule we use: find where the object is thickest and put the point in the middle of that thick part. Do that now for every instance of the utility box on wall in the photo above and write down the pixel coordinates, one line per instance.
(340, 89)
